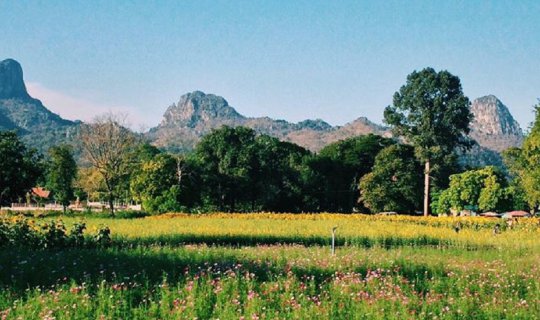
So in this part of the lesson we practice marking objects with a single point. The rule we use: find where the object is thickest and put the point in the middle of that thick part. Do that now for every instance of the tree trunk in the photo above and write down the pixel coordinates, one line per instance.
(426, 188)
(111, 204)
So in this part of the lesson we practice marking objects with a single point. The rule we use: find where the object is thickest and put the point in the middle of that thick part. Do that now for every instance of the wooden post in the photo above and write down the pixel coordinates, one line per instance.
(334, 241)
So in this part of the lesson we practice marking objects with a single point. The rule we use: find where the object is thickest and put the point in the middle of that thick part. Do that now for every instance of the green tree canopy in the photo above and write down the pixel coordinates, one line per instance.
(337, 169)
(155, 184)
(394, 184)
(20, 167)
(226, 158)
(485, 189)
(431, 112)
(61, 173)
(524, 163)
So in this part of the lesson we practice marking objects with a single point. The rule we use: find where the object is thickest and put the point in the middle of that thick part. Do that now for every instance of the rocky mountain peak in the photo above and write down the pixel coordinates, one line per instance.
(196, 108)
(11, 80)
(491, 116)
(493, 124)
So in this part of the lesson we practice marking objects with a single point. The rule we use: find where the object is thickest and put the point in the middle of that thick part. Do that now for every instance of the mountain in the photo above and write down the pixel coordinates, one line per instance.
(197, 113)
(493, 126)
(38, 127)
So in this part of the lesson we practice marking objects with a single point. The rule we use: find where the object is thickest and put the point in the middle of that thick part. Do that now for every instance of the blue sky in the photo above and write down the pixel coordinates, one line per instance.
(335, 60)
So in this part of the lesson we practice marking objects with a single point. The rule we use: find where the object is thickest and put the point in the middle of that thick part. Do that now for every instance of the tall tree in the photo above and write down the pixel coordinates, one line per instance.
(431, 112)
(394, 184)
(155, 184)
(107, 145)
(485, 189)
(226, 157)
(61, 173)
(524, 163)
(340, 167)
(20, 167)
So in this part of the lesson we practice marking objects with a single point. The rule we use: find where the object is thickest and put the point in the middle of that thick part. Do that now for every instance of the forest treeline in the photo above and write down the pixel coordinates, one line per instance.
(239, 170)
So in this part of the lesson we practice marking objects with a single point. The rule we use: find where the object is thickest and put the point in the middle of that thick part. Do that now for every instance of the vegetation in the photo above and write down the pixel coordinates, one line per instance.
(266, 266)
(61, 173)
(484, 189)
(20, 168)
(431, 112)
(107, 145)
(394, 184)
(524, 163)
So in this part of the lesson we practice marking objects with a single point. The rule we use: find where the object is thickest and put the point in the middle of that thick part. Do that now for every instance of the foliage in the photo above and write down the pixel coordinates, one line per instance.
(335, 172)
(239, 170)
(385, 267)
(24, 233)
(524, 163)
(394, 184)
(20, 167)
(486, 189)
(226, 158)
(431, 112)
(108, 145)
(62, 171)
(90, 181)
(155, 184)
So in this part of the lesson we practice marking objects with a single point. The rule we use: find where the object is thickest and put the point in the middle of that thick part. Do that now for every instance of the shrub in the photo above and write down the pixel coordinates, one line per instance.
(22, 232)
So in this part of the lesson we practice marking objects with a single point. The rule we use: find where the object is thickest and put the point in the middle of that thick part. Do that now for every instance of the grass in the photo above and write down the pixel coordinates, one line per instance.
(279, 267)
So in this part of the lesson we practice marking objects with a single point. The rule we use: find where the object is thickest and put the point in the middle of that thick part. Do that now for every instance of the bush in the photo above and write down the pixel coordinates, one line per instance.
(22, 232)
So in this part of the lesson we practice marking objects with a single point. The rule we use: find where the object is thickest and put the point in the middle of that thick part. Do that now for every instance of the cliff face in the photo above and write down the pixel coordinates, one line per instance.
(493, 126)
(39, 127)
(11, 80)
(197, 113)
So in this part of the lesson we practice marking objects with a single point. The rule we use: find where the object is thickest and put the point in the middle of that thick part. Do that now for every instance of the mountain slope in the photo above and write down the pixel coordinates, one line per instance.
(38, 126)
(197, 113)
(493, 126)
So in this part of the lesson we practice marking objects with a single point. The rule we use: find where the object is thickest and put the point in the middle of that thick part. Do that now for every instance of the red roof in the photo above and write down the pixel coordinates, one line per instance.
(40, 192)
(518, 213)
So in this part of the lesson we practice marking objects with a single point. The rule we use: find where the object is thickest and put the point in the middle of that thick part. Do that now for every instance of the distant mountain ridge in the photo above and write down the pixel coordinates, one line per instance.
(197, 113)
(493, 126)
(38, 126)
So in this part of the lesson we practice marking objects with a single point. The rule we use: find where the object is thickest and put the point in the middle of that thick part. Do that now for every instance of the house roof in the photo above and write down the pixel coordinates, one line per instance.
(41, 192)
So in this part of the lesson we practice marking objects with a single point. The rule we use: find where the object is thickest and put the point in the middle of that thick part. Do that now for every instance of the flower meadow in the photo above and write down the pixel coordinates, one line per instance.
(275, 266)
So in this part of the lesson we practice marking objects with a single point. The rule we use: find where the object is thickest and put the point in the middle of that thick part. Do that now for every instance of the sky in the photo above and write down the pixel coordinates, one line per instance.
(292, 60)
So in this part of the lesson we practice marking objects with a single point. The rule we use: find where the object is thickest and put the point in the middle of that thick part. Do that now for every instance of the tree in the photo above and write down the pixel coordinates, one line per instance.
(155, 184)
(107, 145)
(20, 167)
(340, 167)
(394, 184)
(226, 157)
(431, 112)
(276, 175)
(524, 163)
(485, 189)
(62, 170)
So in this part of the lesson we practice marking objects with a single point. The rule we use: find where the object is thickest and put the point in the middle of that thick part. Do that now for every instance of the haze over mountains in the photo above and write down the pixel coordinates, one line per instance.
(197, 113)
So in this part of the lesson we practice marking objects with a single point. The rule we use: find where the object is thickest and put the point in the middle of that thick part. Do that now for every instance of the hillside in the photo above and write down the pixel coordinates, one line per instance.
(196, 114)
(38, 126)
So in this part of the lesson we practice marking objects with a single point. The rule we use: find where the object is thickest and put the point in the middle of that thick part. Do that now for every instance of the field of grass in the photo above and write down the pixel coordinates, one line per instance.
(279, 266)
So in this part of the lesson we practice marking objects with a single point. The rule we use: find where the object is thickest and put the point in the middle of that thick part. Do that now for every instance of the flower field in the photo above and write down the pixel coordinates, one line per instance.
(279, 266)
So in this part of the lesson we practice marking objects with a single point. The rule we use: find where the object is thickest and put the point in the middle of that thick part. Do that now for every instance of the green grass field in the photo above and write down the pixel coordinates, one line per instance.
(265, 266)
